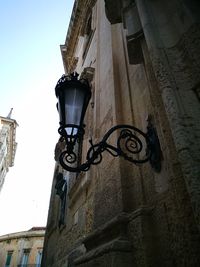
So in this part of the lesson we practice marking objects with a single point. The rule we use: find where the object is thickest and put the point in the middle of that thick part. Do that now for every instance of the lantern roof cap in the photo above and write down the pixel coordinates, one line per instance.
(70, 80)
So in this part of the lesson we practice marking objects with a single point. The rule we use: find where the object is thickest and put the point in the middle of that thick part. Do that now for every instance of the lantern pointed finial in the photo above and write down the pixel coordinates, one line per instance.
(74, 76)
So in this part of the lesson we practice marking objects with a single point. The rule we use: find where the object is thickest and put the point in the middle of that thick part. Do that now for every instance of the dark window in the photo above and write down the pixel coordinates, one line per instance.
(88, 35)
(61, 191)
(8, 259)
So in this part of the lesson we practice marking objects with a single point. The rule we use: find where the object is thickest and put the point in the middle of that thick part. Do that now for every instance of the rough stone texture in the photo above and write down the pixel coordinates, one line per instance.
(177, 106)
(160, 211)
(111, 246)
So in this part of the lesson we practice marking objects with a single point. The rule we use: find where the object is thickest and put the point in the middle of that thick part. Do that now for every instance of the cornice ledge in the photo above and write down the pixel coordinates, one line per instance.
(120, 221)
(76, 25)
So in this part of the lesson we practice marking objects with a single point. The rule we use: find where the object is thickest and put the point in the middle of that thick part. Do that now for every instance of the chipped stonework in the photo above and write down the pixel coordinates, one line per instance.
(183, 114)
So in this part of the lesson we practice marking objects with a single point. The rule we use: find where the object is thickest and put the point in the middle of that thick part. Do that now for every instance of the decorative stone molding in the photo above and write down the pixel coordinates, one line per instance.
(81, 11)
(112, 239)
(88, 74)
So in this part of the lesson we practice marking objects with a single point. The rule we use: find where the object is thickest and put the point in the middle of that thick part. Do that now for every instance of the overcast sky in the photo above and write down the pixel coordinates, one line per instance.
(30, 65)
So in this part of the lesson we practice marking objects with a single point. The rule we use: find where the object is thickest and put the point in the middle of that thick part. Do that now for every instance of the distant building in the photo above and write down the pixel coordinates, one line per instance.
(22, 249)
(8, 145)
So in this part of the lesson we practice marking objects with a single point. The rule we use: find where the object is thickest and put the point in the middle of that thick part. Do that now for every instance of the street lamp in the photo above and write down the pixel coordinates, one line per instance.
(73, 98)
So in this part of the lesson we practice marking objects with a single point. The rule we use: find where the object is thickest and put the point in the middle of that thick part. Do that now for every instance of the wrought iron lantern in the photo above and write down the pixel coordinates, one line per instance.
(73, 97)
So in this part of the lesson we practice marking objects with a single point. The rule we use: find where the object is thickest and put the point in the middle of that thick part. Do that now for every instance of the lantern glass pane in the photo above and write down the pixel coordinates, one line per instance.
(74, 100)
(73, 108)
(71, 131)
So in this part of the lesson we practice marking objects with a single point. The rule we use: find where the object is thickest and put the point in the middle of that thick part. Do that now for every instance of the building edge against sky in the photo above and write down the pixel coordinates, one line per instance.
(8, 145)
(145, 62)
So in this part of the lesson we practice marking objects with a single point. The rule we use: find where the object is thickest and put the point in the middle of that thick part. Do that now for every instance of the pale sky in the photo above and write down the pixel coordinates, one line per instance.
(30, 65)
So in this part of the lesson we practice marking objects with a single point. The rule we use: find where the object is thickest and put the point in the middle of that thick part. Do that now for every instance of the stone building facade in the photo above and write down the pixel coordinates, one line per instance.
(22, 249)
(8, 145)
(142, 60)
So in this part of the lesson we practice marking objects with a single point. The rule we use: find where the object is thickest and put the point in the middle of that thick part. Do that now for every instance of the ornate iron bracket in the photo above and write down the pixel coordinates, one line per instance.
(132, 144)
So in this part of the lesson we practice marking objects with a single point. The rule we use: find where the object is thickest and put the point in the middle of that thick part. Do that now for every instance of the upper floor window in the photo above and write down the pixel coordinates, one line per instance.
(39, 258)
(8, 258)
(25, 257)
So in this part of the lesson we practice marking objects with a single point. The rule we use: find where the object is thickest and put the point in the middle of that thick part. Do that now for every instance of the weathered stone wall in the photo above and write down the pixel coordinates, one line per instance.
(173, 51)
(118, 213)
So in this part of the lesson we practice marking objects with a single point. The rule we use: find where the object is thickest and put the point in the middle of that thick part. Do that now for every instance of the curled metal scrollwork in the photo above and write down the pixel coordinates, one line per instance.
(132, 144)
(69, 157)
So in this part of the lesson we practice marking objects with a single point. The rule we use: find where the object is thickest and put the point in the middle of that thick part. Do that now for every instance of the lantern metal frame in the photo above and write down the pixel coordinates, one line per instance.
(130, 144)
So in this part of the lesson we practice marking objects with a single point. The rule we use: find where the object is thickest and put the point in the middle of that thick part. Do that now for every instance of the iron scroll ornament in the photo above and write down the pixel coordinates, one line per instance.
(129, 145)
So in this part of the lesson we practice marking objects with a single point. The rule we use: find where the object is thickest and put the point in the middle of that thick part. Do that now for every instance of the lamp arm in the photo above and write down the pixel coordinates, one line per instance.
(128, 145)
